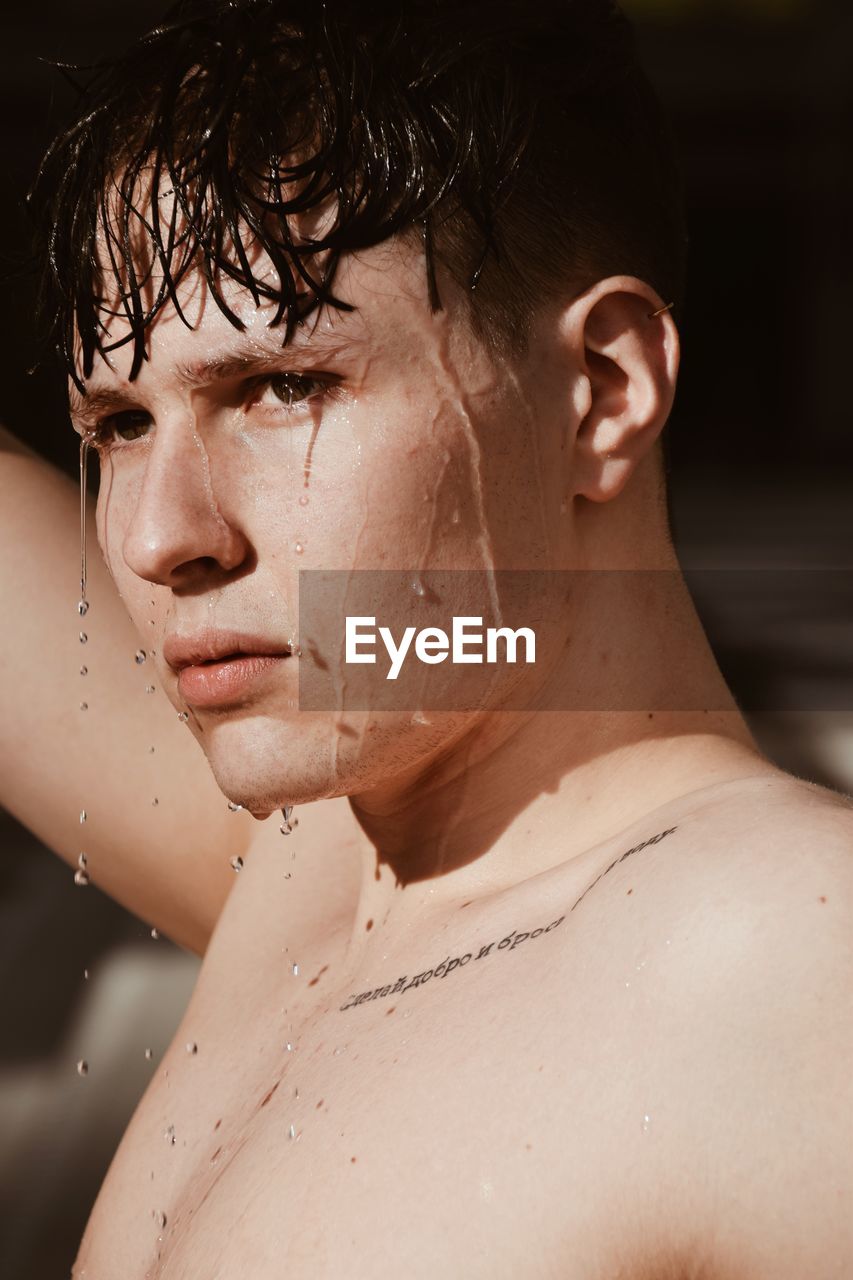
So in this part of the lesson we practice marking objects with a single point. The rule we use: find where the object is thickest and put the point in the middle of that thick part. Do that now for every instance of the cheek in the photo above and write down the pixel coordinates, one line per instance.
(111, 516)
(118, 492)
(383, 482)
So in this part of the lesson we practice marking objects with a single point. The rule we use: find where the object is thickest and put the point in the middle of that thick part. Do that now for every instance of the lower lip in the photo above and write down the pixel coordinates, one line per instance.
(218, 683)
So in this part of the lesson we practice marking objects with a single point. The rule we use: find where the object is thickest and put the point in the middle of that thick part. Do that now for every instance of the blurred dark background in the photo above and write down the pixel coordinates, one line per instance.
(761, 96)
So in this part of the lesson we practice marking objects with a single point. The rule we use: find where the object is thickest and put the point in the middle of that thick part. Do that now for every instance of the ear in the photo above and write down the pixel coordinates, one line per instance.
(628, 358)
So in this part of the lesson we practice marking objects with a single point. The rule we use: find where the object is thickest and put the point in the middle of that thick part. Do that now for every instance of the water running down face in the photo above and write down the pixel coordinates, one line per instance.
(384, 438)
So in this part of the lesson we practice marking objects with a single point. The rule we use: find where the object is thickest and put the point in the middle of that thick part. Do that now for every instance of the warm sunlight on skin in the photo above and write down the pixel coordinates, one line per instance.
(388, 438)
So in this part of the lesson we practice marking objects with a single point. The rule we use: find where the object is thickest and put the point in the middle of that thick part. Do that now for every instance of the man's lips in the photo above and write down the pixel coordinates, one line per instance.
(199, 647)
(212, 684)
(218, 667)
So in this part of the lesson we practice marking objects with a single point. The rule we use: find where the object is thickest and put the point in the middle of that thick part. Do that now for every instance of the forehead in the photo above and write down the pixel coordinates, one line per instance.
(385, 286)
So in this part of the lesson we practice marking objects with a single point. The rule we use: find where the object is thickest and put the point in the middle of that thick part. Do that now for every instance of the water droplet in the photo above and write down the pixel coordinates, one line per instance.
(418, 587)
(192, 1047)
(169, 1134)
(150, 751)
(237, 864)
(82, 1067)
(296, 971)
(84, 671)
(455, 518)
(149, 688)
(155, 802)
(420, 718)
(83, 637)
(84, 706)
(149, 1054)
(82, 607)
(161, 1218)
(154, 934)
(288, 824)
(86, 975)
(289, 1047)
(298, 548)
(183, 716)
(303, 500)
(140, 656)
(81, 878)
(647, 1120)
(292, 1132)
(81, 860)
(235, 808)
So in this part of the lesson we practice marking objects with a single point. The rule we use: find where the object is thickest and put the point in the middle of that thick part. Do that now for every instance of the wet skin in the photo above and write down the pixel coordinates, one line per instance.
(584, 1103)
(221, 481)
(420, 1133)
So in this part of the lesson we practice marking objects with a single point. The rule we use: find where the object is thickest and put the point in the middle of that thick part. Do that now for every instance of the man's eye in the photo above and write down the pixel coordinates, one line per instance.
(287, 389)
(131, 424)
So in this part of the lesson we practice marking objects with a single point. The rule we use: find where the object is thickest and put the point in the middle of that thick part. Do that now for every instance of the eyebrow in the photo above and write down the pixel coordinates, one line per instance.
(242, 362)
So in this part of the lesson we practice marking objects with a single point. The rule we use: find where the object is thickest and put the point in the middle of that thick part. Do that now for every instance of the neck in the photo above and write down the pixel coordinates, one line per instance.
(521, 792)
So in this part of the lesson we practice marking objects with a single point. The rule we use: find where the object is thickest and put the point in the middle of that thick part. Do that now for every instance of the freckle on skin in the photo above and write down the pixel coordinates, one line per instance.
(319, 1105)
(369, 926)
(630, 891)
(352, 1160)
(466, 904)
(391, 1010)
(821, 899)
(651, 715)
(218, 1123)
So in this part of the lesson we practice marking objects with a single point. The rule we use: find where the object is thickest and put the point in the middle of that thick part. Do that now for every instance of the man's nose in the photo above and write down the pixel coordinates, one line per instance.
(177, 535)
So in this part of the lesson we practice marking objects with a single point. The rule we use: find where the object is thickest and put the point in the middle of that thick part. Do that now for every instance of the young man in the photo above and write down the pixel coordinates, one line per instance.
(568, 993)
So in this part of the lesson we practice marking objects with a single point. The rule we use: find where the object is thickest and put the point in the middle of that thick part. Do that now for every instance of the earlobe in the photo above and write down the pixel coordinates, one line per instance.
(628, 345)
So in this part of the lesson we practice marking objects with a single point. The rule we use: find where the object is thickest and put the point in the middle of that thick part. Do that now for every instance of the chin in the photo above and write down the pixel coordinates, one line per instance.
(263, 762)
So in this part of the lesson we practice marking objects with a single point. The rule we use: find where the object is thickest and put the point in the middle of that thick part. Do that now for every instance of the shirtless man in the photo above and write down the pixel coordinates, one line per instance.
(567, 995)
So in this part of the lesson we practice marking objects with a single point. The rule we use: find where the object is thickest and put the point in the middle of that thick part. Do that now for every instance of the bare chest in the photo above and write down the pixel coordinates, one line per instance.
(465, 1127)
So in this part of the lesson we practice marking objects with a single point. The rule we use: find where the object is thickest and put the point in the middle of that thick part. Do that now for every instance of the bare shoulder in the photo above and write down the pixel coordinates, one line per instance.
(766, 877)
(736, 941)
(758, 844)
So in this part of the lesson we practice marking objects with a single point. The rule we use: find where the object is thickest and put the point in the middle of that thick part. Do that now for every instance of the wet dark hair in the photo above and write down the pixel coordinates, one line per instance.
(521, 140)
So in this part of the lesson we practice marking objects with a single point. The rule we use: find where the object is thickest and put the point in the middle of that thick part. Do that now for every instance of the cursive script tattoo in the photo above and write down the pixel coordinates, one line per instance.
(509, 943)
(450, 965)
(636, 849)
